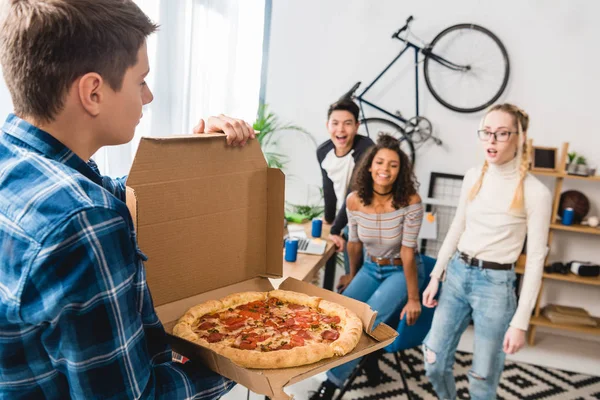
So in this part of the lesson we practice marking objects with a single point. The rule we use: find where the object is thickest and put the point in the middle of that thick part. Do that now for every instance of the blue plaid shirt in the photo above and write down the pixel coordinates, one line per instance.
(76, 315)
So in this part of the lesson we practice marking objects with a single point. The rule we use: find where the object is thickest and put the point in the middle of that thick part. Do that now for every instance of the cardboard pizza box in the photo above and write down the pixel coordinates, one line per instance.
(210, 219)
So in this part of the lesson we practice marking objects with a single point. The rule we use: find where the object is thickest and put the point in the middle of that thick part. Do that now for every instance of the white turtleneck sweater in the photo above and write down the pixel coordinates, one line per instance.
(487, 229)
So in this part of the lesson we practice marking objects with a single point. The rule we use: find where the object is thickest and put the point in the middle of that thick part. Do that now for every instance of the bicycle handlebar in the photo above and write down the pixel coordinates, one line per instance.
(405, 27)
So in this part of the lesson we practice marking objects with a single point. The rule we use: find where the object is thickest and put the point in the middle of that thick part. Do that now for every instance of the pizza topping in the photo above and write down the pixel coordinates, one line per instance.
(293, 306)
(331, 320)
(250, 314)
(330, 335)
(206, 326)
(297, 341)
(225, 315)
(215, 337)
(236, 326)
(271, 323)
(245, 345)
(290, 322)
(234, 320)
(265, 347)
(213, 330)
(304, 334)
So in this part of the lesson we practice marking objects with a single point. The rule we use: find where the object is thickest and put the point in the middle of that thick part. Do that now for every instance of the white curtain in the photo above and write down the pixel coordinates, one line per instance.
(205, 60)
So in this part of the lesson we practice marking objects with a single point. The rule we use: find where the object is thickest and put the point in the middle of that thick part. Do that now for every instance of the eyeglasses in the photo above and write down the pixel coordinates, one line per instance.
(501, 136)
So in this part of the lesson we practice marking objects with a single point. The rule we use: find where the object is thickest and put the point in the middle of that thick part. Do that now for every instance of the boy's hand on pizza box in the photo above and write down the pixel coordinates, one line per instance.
(237, 131)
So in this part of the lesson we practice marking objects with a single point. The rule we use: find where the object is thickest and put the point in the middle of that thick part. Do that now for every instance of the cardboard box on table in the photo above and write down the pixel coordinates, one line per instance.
(210, 218)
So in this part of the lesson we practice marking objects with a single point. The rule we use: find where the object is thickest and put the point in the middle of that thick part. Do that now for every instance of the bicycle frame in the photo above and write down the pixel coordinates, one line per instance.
(409, 45)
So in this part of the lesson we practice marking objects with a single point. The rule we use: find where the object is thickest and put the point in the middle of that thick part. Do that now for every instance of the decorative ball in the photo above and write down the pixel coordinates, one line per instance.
(575, 200)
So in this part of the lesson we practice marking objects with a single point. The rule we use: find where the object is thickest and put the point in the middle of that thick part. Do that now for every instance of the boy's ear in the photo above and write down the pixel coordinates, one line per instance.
(90, 93)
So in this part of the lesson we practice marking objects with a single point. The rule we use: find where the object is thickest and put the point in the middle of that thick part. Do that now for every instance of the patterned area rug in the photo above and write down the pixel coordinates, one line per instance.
(519, 381)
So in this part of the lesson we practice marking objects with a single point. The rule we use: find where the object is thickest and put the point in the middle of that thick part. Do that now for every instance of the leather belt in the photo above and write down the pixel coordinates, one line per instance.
(475, 262)
(386, 260)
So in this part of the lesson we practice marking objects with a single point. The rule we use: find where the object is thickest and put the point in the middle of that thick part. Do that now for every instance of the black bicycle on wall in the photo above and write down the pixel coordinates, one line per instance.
(466, 69)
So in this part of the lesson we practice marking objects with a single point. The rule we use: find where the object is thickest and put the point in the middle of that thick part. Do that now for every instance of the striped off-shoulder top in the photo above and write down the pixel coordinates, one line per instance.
(382, 235)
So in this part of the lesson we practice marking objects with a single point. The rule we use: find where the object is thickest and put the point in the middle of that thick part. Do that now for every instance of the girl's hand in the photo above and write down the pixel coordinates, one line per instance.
(429, 300)
(412, 310)
(514, 340)
(344, 282)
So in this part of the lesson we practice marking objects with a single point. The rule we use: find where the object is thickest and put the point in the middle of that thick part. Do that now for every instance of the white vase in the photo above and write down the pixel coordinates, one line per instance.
(572, 168)
(582, 169)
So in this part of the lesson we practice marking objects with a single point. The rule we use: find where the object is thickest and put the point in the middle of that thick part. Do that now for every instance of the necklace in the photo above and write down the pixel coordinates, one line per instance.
(383, 194)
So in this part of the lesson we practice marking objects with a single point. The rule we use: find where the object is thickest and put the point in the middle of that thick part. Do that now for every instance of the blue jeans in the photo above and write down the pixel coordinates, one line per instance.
(488, 297)
(384, 289)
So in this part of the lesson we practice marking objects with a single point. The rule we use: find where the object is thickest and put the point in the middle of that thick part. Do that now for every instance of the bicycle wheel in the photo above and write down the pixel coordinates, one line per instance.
(484, 76)
(373, 127)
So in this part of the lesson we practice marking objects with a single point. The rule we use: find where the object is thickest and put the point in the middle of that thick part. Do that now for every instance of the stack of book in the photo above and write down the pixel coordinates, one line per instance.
(568, 315)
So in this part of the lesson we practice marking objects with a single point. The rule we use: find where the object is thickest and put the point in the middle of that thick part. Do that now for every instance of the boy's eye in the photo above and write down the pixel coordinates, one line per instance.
(143, 83)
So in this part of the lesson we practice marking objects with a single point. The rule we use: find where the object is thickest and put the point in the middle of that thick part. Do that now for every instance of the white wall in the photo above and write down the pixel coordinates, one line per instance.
(319, 49)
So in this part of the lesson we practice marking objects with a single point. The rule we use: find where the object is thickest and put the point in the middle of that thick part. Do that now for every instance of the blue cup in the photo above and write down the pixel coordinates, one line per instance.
(291, 249)
(567, 217)
(317, 227)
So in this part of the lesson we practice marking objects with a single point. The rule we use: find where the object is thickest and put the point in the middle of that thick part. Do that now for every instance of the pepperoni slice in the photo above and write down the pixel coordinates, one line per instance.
(331, 320)
(234, 320)
(271, 323)
(285, 347)
(250, 314)
(260, 338)
(236, 326)
(330, 335)
(215, 337)
(304, 334)
(290, 322)
(206, 326)
(247, 345)
(296, 307)
(297, 341)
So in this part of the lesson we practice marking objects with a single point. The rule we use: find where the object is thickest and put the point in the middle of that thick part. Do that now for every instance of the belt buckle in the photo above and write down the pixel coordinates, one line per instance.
(379, 260)
(468, 260)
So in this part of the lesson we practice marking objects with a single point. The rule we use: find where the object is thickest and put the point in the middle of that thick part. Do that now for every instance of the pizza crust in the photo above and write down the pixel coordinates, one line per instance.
(295, 297)
(184, 325)
(276, 359)
(236, 299)
(351, 327)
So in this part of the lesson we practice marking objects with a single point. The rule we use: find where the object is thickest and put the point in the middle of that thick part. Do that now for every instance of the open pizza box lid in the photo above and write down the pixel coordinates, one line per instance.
(210, 219)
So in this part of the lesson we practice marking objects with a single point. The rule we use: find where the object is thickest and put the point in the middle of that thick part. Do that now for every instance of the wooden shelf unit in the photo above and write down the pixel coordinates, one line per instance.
(538, 319)
(575, 228)
(570, 277)
(543, 321)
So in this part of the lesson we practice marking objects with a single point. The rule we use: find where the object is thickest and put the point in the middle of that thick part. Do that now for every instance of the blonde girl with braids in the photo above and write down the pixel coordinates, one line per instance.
(500, 204)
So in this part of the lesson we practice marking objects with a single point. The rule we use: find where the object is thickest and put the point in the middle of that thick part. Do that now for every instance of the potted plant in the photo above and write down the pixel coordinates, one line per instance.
(582, 168)
(269, 126)
(571, 166)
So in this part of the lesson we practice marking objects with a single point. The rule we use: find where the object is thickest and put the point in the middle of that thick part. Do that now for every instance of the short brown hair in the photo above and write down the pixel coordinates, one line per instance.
(45, 45)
